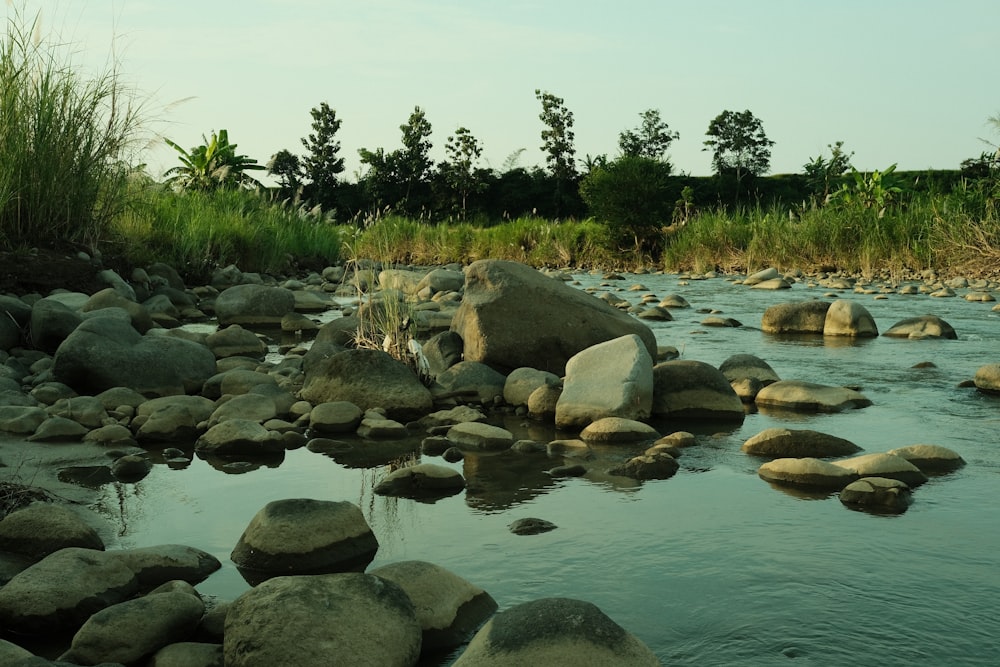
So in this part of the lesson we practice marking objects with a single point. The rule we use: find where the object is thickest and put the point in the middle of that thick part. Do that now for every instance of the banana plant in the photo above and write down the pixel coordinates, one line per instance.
(873, 191)
(212, 165)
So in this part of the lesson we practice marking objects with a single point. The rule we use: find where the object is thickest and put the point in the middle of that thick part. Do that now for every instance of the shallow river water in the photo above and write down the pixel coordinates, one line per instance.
(713, 566)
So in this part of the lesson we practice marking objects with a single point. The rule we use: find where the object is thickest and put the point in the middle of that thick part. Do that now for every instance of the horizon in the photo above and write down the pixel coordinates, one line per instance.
(900, 82)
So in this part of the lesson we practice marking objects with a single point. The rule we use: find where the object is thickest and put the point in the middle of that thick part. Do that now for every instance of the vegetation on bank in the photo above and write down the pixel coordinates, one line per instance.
(68, 176)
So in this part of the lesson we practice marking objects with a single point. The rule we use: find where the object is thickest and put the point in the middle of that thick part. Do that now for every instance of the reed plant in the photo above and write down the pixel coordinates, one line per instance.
(66, 143)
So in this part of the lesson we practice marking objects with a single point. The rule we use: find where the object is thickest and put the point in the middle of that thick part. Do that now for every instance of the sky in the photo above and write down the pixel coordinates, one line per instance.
(910, 82)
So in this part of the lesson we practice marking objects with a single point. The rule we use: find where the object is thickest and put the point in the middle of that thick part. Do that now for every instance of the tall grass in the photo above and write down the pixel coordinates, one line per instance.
(199, 231)
(65, 143)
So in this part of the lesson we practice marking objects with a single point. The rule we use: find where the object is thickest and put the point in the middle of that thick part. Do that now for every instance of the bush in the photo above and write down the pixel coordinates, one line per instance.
(65, 144)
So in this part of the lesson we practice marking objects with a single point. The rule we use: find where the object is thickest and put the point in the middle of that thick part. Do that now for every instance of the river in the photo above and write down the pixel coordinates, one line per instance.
(713, 566)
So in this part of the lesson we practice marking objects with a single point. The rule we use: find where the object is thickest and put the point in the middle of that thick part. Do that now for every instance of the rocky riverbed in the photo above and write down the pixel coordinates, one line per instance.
(115, 377)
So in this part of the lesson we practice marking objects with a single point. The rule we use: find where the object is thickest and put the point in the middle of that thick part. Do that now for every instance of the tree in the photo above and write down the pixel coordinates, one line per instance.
(287, 167)
(462, 149)
(635, 197)
(212, 165)
(739, 145)
(650, 140)
(322, 164)
(414, 162)
(557, 142)
(821, 173)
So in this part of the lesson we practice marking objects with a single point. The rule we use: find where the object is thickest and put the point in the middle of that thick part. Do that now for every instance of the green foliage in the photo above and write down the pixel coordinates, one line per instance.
(463, 150)
(400, 179)
(650, 140)
(322, 163)
(213, 165)
(739, 146)
(822, 173)
(557, 142)
(875, 191)
(635, 196)
(288, 168)
(65, 143)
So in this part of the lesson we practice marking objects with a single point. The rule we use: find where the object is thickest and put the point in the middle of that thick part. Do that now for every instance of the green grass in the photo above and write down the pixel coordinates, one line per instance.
(65, 143)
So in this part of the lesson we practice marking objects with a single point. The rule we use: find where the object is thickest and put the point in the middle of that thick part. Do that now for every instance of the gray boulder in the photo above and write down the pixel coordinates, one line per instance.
(747, 374)
(924, 326)
(884, 465)
(441, 280)
(304, 536)
(254, 407)
(480, 436)
(442, 351)
(609, 379)
(522, 382)
(239, 437)
(471, 381)
(346, 619)
(235, 341)
(369, 379)
(422, 481)
(555, 632)
(51, 323)
(109, 298)
(156, 565)
(810, 397)
(253, 305)
(849, 318)
(21, 418)
(655, 465)
(44, 528)
(687, 389)
(797, 443)
(513, 316)
(58, 428)
(795, 318)
(128, 631)
(930, 458)
(87, 411)
(172, 418)
(188, 654)
(449, 608)
(618, 430)
(106, 352)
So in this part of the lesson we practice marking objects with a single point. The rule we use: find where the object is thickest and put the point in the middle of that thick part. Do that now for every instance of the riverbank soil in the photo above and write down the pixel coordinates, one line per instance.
(42, 270)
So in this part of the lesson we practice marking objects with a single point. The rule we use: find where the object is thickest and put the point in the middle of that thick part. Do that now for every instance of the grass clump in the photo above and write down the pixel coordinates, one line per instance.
(65, 143)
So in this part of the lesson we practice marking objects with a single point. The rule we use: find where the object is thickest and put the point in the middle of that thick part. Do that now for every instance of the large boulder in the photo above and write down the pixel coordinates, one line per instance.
(806, 472)
(849, 318)
(810, 397)
(521, 382)
(878, 494)
(304, 536)
(555, 632)
(369, 379)
(930, 458)
(884, 465)
(172, 418)
(106, 352)
(240, 437)
(609, 379)
(51, 323)
(797, 443)
(687, 389)
(513, 316)
(345, 619)
(110, 298)
(924, 326)
(748, 374)
(471, 381)
(44, 528)
(253, 305)
(448, 607)
(422, 481)
(987, 379)
(795, 318)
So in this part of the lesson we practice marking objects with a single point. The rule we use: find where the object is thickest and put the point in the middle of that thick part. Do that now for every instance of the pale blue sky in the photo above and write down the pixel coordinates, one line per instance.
(905, 81)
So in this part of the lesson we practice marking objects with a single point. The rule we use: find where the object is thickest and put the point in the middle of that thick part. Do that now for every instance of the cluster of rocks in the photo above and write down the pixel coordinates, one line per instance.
(116, 371)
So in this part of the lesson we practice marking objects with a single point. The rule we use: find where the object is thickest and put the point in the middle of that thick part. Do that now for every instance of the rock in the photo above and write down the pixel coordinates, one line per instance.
(571, 470)
(128, 631)
(442, 351)
(109, 298)
(810, 397)
(674, 301)
(377, 428)
(61, 591)
(85, 410)
(452, 416)
(21, 418)
(442, 280)
(795, 318)
(58, 428)
(105, 352)
(253, 305)
(761, 276)
(112, 434)
(156, 565)
(849, 318)
(241, 437)
(687, 389)
(369, 379)
(884, 465)
(471, 381)
(531, 526)
(237, 381)
(678, 439)
(877, 493)
(542, 402)
(304, 536)
(521, 382)
(116, 397)
(172, 418)
(747, 375)
(773, 284)
(51, 323)
(555, 632)
(12, 654)
(131, 468)
(987, 379)
(253, 407)
(617, 429)
(188, 654)
(924, 326)
(717, 321)
(797, 443)
(235, 341)
(421, 481)
(361, 619)
(335, 417)
(512, 316)
(930, 458)
(44, 528)
(806, 472)
(658, 465)
(609, 379)
(480, 436)
(449, 608)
